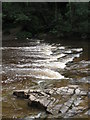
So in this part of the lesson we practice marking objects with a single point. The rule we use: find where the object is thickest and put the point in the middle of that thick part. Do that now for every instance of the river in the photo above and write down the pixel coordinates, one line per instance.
(33, 63)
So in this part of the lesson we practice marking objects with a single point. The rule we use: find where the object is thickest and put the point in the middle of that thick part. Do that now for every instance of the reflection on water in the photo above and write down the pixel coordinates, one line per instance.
(35, 62)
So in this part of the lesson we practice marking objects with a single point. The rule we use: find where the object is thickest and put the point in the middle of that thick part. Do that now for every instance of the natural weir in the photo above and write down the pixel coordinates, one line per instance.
(51, 75)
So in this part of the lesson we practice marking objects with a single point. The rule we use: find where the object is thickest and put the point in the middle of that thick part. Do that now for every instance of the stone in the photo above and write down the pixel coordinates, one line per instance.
(33, 117)
(44, 101)
(89, 95)
(80, 108)
(50, 110)
(84, 93)
(21, 93)
(77, 102)
(68, 103)
(58, 92)
(34, 91)
(56, 108)
(52, 91)
(77, 91)
(32, 98)
(87, 113)
(70, 91)
(60, 89)
(65, 89)
(47, 91)
(73, 98)
(73, 86)
(53, 104)
(64, 109)
(70, 113)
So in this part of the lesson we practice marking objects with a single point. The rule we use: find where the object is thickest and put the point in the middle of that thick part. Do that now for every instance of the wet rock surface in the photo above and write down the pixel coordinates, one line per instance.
(74, 99)
(79, 70)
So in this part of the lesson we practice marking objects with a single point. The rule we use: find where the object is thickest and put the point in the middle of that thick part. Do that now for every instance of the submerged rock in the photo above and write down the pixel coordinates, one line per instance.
(79, 71)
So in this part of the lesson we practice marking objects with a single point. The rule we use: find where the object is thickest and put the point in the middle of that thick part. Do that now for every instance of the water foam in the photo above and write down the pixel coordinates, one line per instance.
(77, 49)
(45, 59)
(40, 73)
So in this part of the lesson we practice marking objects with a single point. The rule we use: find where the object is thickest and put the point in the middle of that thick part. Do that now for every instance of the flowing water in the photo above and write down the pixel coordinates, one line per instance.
(40, 64)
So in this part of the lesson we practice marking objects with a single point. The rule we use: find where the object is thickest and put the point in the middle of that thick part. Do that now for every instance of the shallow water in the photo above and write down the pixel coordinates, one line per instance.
(40, 64)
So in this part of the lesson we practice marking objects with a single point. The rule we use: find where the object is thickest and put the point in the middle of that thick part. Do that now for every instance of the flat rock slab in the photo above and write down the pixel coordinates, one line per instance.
(52, 104)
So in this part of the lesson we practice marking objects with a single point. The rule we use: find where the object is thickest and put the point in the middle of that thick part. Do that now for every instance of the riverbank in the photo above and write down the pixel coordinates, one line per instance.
(45, 36)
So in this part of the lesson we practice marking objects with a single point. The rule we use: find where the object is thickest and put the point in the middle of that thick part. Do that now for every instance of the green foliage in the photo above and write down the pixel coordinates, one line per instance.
(77, 15)
(24, 34)
(60, 19)
(22, 17)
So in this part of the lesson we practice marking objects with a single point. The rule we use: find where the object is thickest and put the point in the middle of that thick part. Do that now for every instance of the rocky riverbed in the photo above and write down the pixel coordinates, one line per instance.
(60, 102)
(52, 78)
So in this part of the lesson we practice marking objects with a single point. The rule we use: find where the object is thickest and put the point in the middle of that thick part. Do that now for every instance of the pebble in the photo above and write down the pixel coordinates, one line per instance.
(51, 91)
